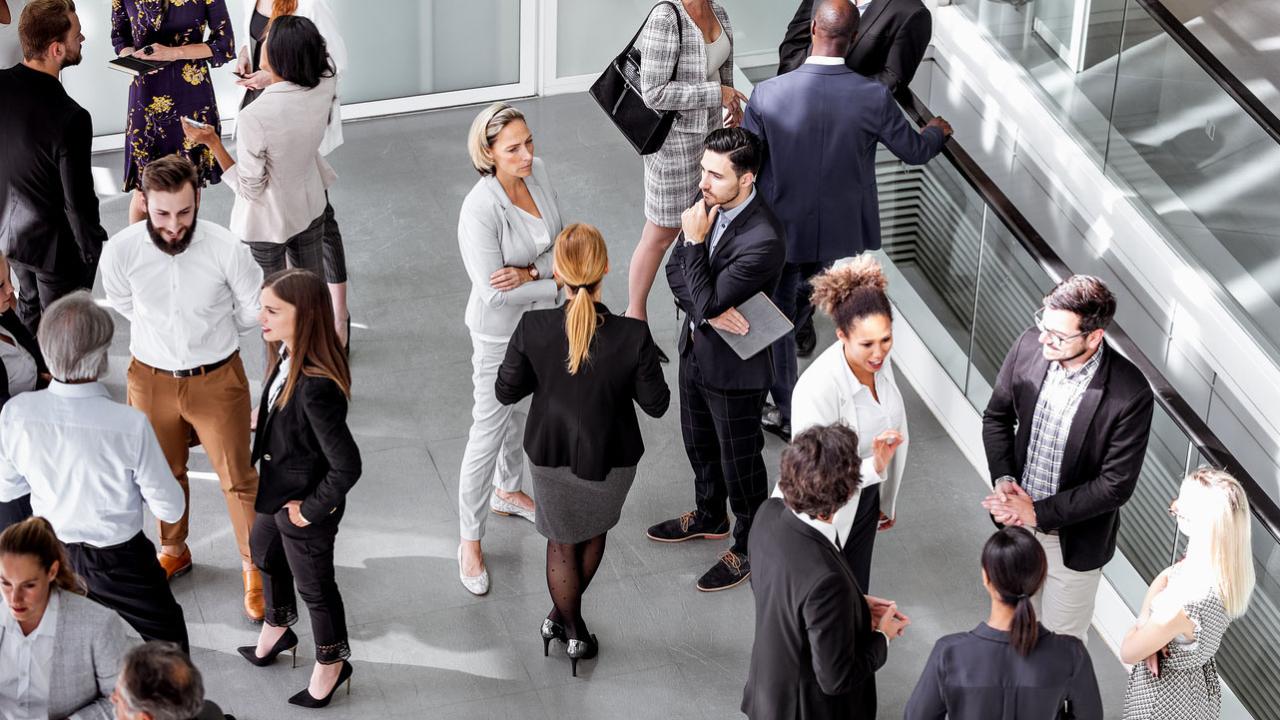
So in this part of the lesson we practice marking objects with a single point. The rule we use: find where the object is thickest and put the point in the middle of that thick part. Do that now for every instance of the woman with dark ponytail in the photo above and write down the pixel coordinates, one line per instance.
(47, 622)
(584, 368)
(1009, 666)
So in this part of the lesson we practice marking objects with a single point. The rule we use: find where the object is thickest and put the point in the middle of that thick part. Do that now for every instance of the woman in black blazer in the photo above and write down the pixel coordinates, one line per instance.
(584, 367)
(308, 463)
(1011, 666)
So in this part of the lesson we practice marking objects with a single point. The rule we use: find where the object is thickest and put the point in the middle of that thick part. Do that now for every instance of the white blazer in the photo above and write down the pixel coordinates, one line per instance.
(318, 12)
(280, 177)
(824, 395)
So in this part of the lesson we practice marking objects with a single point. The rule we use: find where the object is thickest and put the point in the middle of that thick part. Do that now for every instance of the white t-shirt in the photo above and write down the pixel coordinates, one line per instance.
(10, 46)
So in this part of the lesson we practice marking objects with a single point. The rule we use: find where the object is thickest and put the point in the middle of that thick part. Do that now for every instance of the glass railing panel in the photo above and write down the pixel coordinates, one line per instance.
(931, 227)
(1010, 288)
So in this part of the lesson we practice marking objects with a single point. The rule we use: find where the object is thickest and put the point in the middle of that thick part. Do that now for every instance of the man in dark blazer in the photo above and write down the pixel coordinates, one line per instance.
(49, 221)
(818, 639)
(19, 351)
(731, 248)
(1065, 435)
(895, 34)
(820, 126)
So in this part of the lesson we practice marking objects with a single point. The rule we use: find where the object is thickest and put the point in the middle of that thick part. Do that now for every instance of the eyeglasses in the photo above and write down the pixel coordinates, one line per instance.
(1056, 338)
(1174, 512)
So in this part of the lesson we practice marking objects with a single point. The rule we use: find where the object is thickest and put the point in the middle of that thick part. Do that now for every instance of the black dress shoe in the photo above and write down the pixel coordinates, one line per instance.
(731, 571)
(771, 421)
(806, 339)
(688, 527)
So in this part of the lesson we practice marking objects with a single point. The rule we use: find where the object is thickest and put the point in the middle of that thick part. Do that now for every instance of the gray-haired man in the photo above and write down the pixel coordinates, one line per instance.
(90, 465)
(159, 682)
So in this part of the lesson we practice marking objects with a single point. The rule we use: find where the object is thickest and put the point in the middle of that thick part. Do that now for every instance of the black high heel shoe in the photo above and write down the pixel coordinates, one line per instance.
(552, 630)
(581, 650)
(287, 642)
(304, 698)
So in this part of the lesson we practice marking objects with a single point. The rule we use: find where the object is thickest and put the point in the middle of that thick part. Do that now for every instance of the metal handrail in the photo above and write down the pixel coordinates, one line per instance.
(1215, 68)
(1173, 403)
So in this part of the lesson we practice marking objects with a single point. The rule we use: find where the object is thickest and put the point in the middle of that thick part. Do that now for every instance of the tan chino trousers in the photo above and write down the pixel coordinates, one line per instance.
(215, 407)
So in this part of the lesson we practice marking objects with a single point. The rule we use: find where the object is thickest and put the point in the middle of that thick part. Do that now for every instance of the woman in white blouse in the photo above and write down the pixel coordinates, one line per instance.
(506, 230)
(852, 382)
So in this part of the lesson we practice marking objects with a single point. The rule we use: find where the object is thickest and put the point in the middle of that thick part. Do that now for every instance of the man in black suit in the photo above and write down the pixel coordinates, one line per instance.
(1065, 434)
(22, 369)
(821, 125)
(819, 640)
(889, 48)
(49, 222)
(731, 248)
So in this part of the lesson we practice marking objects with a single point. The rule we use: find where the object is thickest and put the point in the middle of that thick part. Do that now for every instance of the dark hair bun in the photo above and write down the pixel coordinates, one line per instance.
(859, 276)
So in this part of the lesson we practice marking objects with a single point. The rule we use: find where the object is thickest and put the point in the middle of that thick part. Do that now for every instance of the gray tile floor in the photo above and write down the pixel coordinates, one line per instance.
(422, 646)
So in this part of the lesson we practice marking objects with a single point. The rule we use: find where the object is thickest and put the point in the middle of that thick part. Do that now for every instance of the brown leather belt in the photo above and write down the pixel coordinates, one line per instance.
(191, 372)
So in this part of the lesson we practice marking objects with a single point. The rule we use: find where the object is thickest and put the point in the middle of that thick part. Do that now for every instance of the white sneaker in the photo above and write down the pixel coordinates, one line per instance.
(477, 585)
(502, 507)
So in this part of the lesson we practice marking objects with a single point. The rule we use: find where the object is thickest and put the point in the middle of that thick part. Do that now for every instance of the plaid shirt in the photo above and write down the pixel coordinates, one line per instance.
(1055, 409)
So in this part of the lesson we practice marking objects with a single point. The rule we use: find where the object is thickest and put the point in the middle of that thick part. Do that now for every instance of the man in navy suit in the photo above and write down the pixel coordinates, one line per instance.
(820, 125)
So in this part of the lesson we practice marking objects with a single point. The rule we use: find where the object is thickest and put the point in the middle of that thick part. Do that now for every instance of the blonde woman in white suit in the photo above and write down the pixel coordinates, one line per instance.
(506, 233)
(852, 382)
(694, 39)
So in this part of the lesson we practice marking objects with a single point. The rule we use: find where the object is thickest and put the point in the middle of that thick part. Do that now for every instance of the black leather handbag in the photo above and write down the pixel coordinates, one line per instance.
(618, 93)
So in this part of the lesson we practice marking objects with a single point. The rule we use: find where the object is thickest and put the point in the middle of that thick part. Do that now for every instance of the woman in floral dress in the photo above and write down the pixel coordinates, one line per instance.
(193, 35)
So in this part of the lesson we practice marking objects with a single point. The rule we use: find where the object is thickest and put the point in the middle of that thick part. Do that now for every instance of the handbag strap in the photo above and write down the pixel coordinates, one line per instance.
(679, 32)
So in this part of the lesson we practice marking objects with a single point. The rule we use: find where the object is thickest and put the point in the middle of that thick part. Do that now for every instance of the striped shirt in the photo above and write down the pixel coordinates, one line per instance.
(1055, 409)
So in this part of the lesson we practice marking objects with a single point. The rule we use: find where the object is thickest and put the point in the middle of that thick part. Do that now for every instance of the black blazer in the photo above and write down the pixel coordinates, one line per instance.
(1103, 455)
(978, 676)
(815, 653)
(307, 452)
(587, 421)
(748, 260)
(889, 46)
(13, 325)
(48, 210)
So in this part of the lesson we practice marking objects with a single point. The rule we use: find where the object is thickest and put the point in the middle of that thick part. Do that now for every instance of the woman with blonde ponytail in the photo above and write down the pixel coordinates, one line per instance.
(584, 367)
(1189, 606)
(852, 383)
(1010, 666)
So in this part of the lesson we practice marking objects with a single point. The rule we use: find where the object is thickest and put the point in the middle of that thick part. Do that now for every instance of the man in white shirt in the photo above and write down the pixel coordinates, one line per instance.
(189, 288)
(90, 465)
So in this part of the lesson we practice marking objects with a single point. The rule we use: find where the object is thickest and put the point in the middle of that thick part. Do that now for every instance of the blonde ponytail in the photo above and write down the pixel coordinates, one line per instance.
(581, 259)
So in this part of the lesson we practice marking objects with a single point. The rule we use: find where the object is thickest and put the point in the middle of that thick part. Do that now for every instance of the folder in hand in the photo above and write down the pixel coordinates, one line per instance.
(765, 322)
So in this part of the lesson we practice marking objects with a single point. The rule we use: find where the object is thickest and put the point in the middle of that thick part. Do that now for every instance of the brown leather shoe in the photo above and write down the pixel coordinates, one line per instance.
(255, 607)
(175, 566)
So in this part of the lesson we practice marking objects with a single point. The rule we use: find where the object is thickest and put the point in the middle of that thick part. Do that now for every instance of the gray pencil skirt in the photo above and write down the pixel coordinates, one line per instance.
(672, 175)
(572, 510)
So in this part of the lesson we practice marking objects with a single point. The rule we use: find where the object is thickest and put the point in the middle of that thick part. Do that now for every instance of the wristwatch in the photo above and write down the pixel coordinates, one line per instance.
(533, 272)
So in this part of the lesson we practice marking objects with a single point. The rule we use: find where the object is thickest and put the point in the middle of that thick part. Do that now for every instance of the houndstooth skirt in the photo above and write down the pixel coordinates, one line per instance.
(672, 175)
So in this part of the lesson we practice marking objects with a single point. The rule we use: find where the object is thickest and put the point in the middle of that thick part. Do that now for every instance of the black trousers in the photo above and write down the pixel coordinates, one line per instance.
(14, 511)
(304, 250)
(128, 579)
(792, 298)
(723, 439)
(38, 289)
(862, 537)
(285, 554)
(335, 257)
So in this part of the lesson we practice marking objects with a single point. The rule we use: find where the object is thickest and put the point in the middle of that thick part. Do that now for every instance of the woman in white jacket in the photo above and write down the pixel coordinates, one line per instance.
(852, 382)
(253, 79)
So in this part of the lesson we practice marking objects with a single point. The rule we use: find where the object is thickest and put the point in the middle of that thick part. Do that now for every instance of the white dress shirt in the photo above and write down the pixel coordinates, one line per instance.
(186, 310)
(90, 463)
(828, 530)
(25, 664)
(824, 60)
(18, 364)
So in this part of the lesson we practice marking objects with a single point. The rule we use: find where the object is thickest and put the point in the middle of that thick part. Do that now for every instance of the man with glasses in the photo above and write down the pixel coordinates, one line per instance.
(1065, 435)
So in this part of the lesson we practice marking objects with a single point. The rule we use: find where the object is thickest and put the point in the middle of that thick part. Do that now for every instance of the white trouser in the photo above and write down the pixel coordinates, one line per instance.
(1065, 602)
(495, 452)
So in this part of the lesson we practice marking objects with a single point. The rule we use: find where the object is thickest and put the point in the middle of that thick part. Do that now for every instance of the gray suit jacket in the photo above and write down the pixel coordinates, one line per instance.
(491, 235)
(663, 47)
(89, 647)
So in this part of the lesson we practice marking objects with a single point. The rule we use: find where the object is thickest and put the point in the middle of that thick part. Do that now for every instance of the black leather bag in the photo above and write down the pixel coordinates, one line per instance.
(618, 92)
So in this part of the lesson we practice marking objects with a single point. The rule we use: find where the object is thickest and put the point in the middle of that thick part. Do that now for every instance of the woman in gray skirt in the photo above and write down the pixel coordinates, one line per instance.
(695, 40)
(584, 367)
